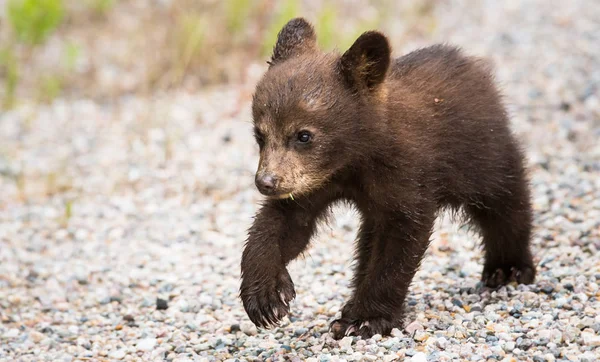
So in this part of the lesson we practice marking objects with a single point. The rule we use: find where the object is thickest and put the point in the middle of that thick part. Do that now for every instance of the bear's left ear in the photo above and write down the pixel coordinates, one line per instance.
(365, 64)
(296, 37)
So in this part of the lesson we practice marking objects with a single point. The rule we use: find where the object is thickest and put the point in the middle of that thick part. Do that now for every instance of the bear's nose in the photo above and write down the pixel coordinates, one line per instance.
(266, 184)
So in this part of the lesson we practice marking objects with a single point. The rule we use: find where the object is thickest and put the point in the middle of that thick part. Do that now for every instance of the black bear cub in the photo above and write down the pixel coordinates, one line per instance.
(400, 139)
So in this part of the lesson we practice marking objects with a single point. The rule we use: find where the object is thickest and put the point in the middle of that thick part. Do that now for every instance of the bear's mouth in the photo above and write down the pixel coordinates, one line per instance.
(287, 195)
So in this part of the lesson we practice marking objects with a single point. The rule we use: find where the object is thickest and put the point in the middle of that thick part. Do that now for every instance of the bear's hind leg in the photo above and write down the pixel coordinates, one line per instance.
(505, 223)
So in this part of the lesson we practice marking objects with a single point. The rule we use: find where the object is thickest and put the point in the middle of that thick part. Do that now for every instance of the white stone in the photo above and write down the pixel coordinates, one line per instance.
(419, 357)
(345, 343)
(146, 344)
(397, 333)
(249, 329)
(590, 339)
(11, 333)
(36, 336)
(509, 346)
(118, 354)
(413, 327)
(442, 342)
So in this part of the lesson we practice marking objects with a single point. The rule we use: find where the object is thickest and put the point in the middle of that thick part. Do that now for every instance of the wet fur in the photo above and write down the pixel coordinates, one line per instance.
(400, 139)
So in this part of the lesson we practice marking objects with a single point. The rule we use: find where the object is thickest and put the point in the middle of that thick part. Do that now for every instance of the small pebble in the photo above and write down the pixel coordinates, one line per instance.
(161, 304)
(249, 328)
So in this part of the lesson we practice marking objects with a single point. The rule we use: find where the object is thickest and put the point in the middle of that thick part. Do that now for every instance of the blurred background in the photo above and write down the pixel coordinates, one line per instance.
(126, 181)
(107, 48)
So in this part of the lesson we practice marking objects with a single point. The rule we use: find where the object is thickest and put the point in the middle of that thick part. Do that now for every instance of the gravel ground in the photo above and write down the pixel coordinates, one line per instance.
(122, 224)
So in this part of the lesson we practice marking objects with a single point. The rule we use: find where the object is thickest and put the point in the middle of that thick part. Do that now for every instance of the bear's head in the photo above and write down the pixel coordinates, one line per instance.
(313, 112)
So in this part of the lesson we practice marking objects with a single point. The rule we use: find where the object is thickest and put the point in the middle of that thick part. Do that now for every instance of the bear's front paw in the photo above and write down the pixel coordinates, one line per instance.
(343, 327)
(266, 301)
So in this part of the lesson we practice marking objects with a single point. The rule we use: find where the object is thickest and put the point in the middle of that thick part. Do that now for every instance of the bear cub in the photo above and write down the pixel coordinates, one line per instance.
(400, 139)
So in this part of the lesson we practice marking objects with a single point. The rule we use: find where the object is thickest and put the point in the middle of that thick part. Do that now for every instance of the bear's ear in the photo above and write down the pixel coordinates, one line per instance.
(365, 64)
(296, 37)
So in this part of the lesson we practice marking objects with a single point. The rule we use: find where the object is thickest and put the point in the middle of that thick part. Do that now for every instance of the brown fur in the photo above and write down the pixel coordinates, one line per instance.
(400, 139)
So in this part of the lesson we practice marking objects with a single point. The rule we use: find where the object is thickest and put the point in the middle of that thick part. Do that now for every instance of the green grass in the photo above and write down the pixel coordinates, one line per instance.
(67, 215)
(290, 9)
(237, 14)
(71, 54)
(34, 20)
(190, 37)
(325, 26)
(68, 209)
(349, 38)
(50, 87)
(101, 6)
(9, 67)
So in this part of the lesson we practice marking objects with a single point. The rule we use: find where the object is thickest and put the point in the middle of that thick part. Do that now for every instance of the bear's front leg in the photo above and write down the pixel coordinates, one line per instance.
(281, 231)
(397, 247)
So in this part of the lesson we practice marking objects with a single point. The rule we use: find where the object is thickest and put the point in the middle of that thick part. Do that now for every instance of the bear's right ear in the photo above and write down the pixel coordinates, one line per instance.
(296, 37)
(365, 64)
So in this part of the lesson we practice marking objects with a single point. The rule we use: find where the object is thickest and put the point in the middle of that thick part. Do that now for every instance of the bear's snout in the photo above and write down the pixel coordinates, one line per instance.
(266, 183)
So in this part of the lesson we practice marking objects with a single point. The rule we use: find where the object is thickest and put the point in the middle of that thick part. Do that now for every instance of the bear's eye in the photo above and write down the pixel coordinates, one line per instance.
(260, 139)
(304, 136)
